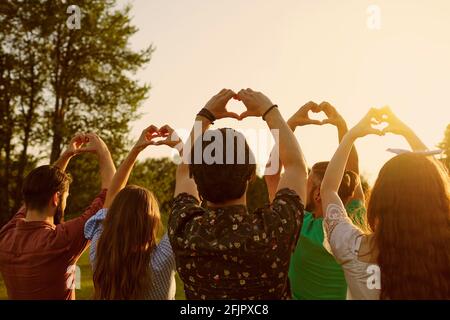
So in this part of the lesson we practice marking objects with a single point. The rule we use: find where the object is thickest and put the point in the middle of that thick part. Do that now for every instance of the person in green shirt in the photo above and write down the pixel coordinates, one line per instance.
(314, 274)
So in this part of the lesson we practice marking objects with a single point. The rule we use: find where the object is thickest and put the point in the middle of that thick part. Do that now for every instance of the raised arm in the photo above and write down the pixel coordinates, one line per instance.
(291, 156)
(336, 168)
(106, 164)
(334, 118)
(299, 119)
(75, 147)
(120, 179)
(396, 126)
(215, 109)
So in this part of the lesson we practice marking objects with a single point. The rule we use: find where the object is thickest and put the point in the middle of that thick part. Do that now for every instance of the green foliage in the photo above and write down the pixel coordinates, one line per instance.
(56, 81)
(157, 175)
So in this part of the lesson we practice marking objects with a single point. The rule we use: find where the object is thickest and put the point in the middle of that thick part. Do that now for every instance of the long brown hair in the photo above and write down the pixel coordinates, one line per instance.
(409, 214)
(122, 265)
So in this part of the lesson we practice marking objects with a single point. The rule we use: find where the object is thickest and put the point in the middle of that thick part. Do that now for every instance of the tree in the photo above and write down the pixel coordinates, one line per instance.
(56, 81)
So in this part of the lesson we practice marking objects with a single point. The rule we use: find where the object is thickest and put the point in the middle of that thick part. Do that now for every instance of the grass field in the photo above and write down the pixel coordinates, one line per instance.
(86, 290)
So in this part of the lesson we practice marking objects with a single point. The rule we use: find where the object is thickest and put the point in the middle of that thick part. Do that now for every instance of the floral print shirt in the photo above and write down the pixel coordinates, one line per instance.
(229, 253)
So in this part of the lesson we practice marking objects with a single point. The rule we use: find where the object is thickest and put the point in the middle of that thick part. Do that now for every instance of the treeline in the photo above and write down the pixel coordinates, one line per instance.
(56, 81)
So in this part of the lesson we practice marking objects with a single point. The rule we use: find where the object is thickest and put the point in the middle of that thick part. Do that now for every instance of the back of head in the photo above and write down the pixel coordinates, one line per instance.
(122, 266)
(409, 213)
(41, 184)
(349, 182)
(222, 164)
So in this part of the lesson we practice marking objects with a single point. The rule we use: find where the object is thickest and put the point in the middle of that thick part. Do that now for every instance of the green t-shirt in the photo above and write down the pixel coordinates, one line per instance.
(314, 274)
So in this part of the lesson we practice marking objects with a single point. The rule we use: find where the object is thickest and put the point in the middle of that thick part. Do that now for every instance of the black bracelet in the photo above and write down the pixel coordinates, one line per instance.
(207, 114)
(268, 110)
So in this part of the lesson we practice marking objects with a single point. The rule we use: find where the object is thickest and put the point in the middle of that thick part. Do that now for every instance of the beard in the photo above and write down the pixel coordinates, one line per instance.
(59, 215)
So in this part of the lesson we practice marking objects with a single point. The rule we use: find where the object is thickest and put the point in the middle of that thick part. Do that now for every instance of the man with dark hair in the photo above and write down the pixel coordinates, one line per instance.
(38, 250)
(232, 174)
(223, 251)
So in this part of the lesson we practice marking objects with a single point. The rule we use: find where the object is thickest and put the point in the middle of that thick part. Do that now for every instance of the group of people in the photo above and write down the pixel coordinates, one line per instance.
(318, 238)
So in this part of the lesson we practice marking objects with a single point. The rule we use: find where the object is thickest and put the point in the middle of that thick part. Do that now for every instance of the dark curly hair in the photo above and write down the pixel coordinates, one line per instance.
(225, 167)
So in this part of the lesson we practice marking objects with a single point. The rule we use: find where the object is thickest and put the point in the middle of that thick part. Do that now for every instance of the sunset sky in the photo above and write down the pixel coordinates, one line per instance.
(295, 51)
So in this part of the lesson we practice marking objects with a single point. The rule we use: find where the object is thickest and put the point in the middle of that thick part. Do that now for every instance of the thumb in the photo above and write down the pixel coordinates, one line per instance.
(376, 132)
(244, 115)
(316, 122)
(232, 115)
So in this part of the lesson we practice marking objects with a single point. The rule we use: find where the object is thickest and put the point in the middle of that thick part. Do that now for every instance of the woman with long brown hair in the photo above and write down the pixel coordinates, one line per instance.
(407, 253)
(127, 261)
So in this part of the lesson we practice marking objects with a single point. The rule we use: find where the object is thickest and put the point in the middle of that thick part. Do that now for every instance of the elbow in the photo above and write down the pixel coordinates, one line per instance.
(299, 168)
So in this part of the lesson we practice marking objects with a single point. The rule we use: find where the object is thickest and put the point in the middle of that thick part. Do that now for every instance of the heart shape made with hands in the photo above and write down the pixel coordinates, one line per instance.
(306, 115)
(318, 115)
(164, 135)
(379, 123)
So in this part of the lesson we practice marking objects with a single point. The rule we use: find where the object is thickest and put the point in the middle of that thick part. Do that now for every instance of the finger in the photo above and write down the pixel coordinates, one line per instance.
(166, 129)
(161, 142)
(376, 132)
(374, 121)
(151, 128)
(310, 106)
(327, 108)
(232, 115)
(86, 149)
(244, 115)
(388, 129)
(92, 136)
(78, 137)
(242, 95)
(385, 112)
(314, 122)
(229, 94)
(329, 121)
(151, 132)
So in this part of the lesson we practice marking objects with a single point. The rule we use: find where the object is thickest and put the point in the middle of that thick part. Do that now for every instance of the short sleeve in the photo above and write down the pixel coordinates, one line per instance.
(287, 205)
(285, 215)
(93, 225)
(93, 230)
(342, 237)
(184, 208)
(74, 229)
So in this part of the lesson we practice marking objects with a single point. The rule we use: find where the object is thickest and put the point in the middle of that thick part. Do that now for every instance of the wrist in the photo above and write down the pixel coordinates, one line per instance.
(352, 134)
(136, 149)
(204, 120)
(406, 131)
(67, 155)
(273, 117)
(208, 114)
(269, 111)
(342, 129)
(292, 124)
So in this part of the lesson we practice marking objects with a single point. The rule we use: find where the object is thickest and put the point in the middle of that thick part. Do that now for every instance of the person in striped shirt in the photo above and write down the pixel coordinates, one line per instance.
(128, 262)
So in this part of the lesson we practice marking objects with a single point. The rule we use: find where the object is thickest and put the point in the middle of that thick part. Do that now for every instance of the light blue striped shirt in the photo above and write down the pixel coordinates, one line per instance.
(162, 261)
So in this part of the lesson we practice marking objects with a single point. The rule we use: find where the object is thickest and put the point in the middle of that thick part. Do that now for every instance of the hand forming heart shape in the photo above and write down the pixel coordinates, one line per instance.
(379, 122)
